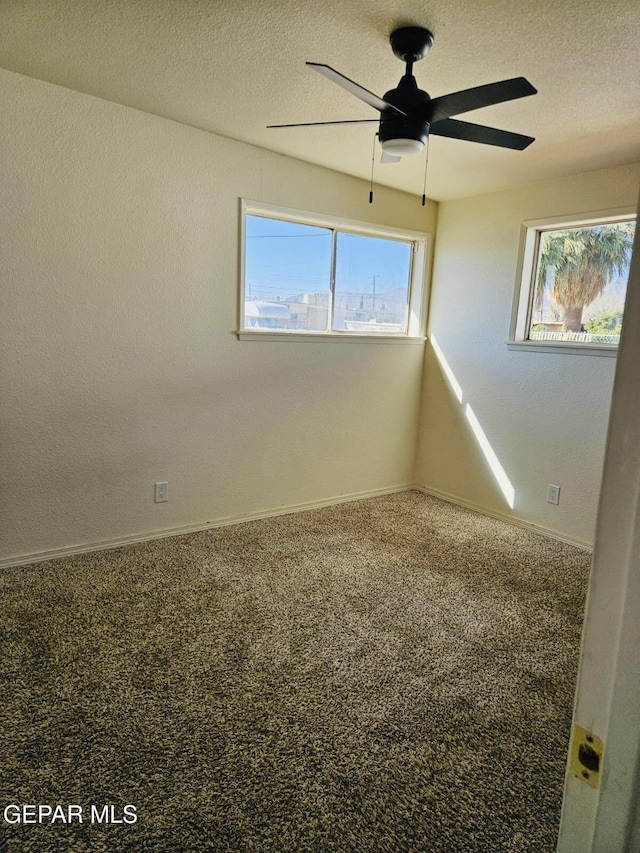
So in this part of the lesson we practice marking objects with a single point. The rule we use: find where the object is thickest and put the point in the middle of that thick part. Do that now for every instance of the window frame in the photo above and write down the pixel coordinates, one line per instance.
(418, 283)
(528, 251)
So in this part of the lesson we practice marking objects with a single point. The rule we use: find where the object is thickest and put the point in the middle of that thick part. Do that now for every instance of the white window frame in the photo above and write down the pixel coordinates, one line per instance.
(526, 274)
(416, 323)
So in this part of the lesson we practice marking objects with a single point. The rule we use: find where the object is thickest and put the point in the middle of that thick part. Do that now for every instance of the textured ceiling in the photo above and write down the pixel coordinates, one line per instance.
(234, 66)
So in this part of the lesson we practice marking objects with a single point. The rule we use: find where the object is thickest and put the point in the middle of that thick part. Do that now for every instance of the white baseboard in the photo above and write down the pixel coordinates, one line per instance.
(55, 553)
(510, 519)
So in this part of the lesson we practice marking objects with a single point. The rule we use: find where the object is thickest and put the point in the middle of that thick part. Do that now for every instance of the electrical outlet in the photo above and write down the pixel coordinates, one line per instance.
(553, 494)
(161, 492)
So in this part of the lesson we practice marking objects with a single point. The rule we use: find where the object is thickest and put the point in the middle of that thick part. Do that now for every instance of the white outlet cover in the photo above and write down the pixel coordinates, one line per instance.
(161, 493)
(553, 494)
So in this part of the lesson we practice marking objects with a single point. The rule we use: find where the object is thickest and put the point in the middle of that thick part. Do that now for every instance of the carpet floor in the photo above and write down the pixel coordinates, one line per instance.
(393, 674)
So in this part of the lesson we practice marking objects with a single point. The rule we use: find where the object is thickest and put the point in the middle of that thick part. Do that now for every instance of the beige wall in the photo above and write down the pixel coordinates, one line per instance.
(120, 367)
(545, 416)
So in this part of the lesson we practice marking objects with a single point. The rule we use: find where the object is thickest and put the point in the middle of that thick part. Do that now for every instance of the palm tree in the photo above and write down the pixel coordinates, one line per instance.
(579, 263)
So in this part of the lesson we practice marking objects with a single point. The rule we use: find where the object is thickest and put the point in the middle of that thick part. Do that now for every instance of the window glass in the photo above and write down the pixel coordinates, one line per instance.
(372, 282)
(287, 275)
(579, 283)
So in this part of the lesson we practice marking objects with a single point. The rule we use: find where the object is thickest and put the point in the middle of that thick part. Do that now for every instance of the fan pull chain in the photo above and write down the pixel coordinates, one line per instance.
(373, 160)
(426, 163)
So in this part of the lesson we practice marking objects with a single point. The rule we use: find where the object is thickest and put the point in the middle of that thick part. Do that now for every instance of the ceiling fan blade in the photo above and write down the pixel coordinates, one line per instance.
(480, 96)
(455, 129)
(315, 123)
(389, 158)
(355, 89)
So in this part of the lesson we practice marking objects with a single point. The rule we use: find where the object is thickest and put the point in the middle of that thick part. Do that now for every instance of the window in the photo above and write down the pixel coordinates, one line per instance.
(573, 283)
(306, 275)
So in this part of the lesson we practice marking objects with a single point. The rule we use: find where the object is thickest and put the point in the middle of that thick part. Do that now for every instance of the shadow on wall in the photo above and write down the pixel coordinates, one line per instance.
(458, 421)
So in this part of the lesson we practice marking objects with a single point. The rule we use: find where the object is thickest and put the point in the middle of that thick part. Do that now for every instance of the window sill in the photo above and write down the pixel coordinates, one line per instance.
(312, 337)
(567, 349)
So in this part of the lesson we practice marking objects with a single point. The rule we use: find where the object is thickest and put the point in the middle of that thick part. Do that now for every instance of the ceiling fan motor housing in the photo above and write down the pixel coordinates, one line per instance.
(415, 103)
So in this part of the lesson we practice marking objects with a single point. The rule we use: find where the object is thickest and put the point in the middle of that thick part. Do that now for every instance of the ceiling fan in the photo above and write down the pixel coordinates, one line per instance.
(408, 115)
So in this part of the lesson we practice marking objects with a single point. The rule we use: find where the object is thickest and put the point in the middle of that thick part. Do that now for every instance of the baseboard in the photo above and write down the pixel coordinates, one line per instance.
(510, 519)
(56, 553)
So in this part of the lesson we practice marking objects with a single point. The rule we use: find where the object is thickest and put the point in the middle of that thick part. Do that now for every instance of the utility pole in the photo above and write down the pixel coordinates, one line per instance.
(373, 278)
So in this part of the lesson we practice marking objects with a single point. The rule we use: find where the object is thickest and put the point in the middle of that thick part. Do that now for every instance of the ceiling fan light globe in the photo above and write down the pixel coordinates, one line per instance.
(403, 147)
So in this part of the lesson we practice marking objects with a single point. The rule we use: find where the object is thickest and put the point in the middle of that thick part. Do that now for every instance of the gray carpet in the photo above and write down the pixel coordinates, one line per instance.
(394, 674)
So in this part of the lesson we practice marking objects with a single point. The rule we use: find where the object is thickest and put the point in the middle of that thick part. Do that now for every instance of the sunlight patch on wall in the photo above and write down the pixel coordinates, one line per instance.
(497, 470)
(500, 475)
(446, 369)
